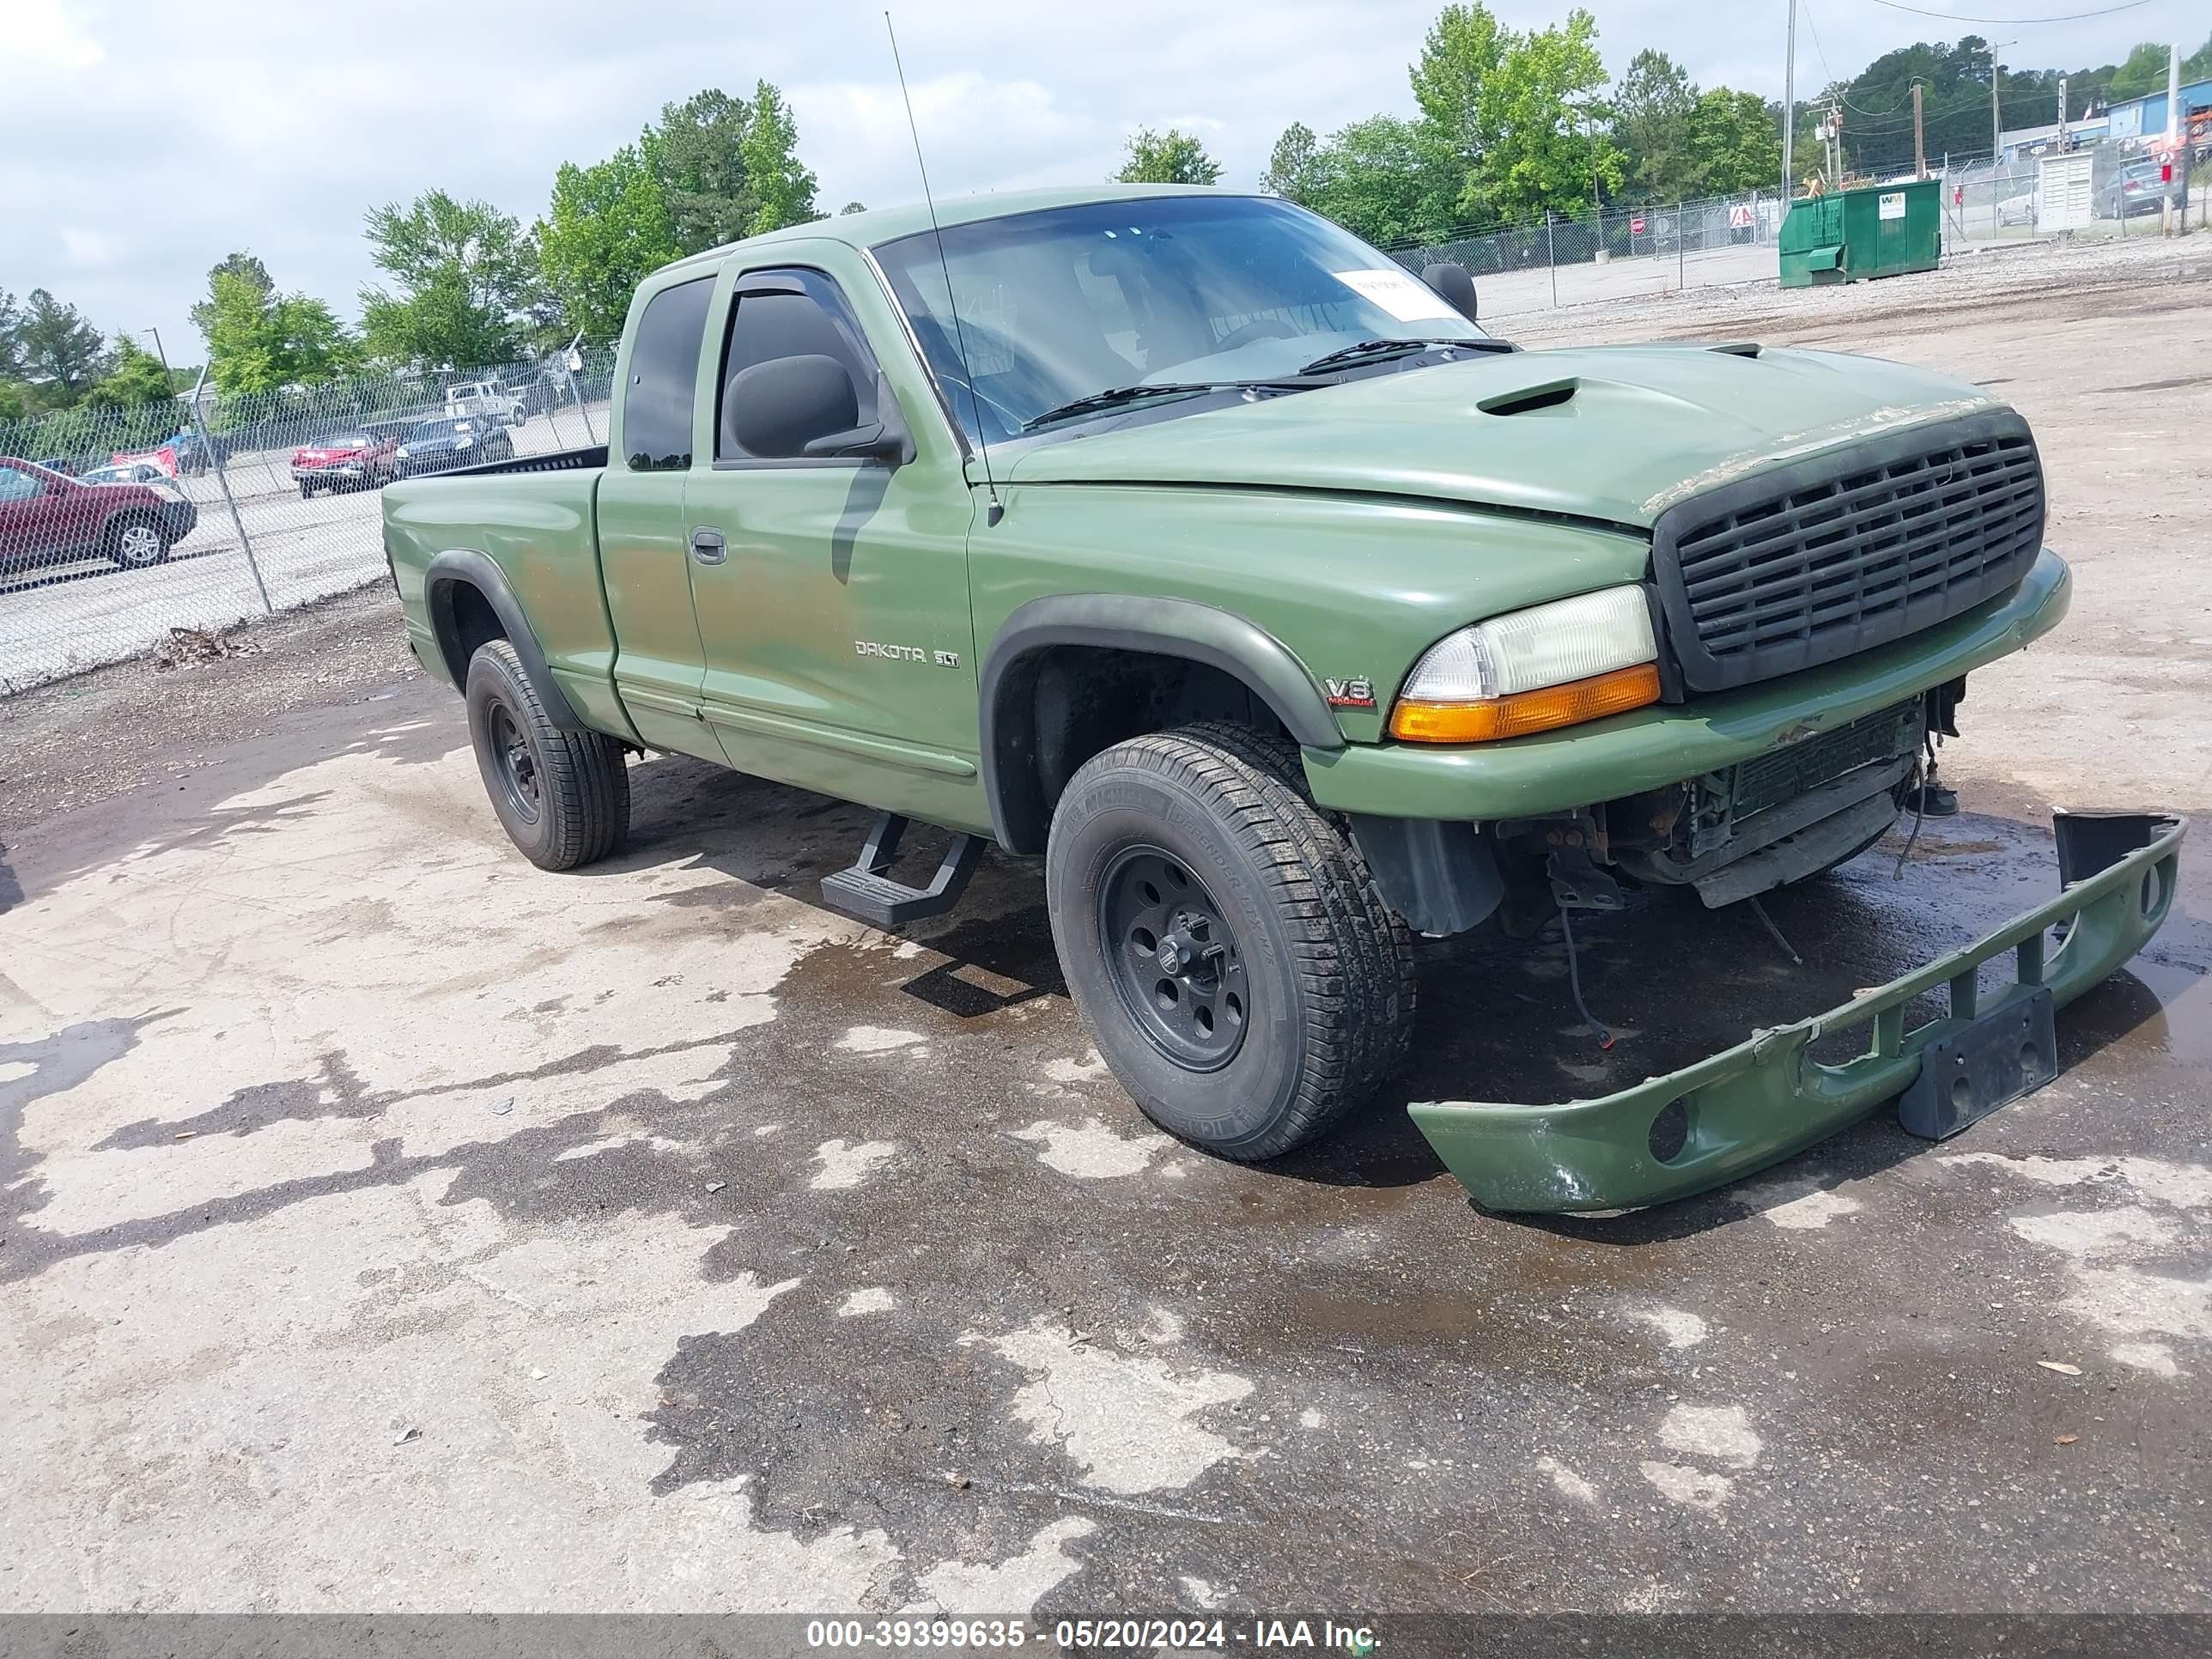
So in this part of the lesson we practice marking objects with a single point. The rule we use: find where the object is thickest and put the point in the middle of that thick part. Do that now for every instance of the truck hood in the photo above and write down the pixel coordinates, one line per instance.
(1612, 433)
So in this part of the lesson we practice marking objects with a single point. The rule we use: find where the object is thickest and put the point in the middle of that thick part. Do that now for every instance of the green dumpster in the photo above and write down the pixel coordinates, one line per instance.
(1850, 236)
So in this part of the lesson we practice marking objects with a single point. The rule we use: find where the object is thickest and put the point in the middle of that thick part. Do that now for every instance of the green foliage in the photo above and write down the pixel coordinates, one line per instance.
(609, 229)
(1452, 82)
(53, 342)
(2143, 72)
(465, 283)
(241, 264)
(11, 343)
(1292, 171)
(259, 340)
(137, 377)
(1553, 150)
(783, 186)
(697, 152)
(1167, 158)
(1374, 179)
(1651, 122)
(2197, 66)
(1736, 139)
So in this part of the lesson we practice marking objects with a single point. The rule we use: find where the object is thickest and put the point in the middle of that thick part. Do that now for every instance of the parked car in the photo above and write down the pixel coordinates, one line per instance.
(64, 465)
(2139, 189)
(490, 399)
(444, 442)
(137, 473)
(46, 517)
(1237, 574)
(344, 460)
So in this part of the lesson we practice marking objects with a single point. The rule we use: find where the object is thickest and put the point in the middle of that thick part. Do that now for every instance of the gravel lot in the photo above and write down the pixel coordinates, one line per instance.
(386, 1225)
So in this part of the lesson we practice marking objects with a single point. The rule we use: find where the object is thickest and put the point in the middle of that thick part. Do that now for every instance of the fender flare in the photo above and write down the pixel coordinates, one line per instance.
(465, 566)
(1168, 627)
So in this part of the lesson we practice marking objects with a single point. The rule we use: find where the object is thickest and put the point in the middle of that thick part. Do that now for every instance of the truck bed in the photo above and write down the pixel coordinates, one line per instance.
(591, 458)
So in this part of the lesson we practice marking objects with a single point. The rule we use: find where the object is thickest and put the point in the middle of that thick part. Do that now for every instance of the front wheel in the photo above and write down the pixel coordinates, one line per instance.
(136, 543)
(561, 796)
(1224, 942)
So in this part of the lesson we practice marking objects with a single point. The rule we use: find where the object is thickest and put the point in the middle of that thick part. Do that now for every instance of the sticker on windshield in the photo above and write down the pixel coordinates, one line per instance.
(1408, 300)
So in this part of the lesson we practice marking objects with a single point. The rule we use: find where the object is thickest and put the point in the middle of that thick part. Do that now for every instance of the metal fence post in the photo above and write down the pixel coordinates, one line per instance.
(1550, 263)
(1681, 248)
(222, 478)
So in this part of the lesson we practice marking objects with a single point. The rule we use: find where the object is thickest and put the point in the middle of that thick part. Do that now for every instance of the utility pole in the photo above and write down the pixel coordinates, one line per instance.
(1919, 137)
(1789, 105)
(1997, 130)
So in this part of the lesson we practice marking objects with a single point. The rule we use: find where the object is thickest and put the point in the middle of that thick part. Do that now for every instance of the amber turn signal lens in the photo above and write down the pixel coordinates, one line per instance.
(1495, 719)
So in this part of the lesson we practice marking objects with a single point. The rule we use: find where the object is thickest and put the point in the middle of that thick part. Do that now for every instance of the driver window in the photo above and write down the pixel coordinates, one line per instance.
(18, 486)
(765, 327)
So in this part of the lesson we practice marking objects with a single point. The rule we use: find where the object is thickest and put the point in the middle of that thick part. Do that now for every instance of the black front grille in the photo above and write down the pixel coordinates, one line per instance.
(1785, 774)
(1797, 566)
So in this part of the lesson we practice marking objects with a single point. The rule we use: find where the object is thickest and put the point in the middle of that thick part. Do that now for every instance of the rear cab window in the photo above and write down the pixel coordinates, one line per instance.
(664, 372)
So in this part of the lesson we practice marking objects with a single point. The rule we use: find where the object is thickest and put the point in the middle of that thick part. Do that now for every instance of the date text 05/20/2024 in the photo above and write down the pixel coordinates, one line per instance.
(1093, 1634)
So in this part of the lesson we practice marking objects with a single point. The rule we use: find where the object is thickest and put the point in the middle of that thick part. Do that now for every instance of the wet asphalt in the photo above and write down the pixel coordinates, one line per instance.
(1028, 1353)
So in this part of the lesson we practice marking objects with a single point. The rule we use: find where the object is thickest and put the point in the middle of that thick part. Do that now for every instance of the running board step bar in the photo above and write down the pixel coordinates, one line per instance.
(868, 892)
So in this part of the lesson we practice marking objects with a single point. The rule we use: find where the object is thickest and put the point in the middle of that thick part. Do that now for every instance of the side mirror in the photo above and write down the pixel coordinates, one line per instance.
(1454, 286)
(809, 406)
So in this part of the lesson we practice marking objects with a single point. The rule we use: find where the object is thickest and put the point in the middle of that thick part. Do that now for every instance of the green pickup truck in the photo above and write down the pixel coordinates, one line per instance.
(1183, 539)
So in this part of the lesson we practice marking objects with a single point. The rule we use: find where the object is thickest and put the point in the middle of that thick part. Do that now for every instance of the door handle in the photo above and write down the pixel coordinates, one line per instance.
(709, 545)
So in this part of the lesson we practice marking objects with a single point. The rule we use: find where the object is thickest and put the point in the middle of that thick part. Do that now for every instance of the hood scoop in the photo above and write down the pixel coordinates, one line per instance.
(1528, 401)
(1739, 349)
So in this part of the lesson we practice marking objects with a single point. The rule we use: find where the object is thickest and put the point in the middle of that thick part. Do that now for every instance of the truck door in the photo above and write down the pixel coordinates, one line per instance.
(832, 593)
(644, 552)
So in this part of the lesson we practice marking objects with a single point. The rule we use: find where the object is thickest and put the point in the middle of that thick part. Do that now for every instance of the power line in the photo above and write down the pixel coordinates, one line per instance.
(1961, 18)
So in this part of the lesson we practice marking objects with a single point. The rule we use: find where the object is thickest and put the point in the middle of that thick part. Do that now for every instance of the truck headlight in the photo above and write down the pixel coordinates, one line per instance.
(1531, 671)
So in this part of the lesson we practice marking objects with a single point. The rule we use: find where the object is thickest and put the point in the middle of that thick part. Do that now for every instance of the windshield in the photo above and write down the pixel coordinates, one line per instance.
(1061, 304)
(431, 431)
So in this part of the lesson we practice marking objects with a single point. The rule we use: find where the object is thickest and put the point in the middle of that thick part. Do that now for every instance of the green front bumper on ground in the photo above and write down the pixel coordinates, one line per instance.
(1767, 1097)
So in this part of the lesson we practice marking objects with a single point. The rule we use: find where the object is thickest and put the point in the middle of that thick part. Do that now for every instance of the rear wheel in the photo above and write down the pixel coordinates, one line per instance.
(1224, 942)
(563, 797)
(136, 542)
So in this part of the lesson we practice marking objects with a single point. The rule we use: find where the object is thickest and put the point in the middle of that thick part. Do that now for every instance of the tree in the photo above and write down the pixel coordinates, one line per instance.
(137, 377)
(608, 229)
(1167, 158)
(2143, 72)
(783, 186)
(1651, 125)
(55, 344)
(1458, 123)
(259, 340)
(11, 343)
(241, 264)
(1374, 179)
(1737, 143)
(1292, 170)
(1552, 150)
(466, 280)
(696, 153)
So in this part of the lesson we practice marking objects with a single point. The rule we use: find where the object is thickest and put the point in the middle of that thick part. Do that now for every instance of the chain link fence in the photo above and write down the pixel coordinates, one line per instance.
(1615, 252)
(121, 526)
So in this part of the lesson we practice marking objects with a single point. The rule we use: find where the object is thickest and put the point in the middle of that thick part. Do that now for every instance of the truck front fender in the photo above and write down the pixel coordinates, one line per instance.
(1020, 813)
(459, 568)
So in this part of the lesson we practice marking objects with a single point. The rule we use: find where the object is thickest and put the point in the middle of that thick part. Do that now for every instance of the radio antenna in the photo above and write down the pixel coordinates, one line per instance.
(997, 509)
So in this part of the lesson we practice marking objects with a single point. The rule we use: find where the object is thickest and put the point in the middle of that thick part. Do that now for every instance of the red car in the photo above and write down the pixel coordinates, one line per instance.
(46, 517)
(344, 460)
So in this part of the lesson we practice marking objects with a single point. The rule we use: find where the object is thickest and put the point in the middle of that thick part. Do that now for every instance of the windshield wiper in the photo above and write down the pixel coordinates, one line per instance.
(1116, 397)
(1377, 350)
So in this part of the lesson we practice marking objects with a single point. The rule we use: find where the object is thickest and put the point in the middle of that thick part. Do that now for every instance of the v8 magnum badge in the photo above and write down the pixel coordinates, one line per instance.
(1350, 694)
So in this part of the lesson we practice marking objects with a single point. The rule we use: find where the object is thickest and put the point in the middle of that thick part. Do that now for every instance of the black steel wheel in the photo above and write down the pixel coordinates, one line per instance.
(1222, 940)
(562, 796)
(1174, 958)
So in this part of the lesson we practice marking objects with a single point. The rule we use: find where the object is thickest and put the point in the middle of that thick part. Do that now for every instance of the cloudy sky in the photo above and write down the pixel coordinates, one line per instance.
(140, 142)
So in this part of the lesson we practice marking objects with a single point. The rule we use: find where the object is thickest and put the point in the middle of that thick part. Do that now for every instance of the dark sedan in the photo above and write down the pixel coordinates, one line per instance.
(447, 442)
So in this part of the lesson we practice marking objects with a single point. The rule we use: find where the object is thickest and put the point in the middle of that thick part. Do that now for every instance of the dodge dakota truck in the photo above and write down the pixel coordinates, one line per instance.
(1181, 540)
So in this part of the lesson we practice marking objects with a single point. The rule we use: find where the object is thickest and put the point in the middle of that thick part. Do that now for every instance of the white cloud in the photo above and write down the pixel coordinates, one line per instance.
(236, 125)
